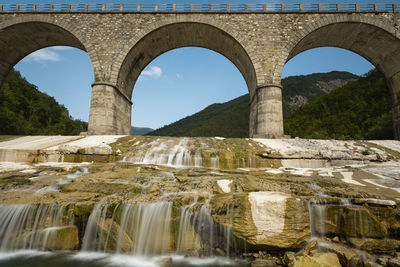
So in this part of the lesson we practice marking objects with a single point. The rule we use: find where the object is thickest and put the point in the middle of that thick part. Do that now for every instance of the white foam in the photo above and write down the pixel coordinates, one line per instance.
(273, 171)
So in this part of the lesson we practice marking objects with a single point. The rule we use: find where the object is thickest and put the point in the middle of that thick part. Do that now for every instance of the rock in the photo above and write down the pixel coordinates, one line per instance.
(310, 246)
(349, 221)
(335, 239)
(165, 261)
(272, 220)
(288, 258)
(54, 238)
(376, 245)
(369, 263)
(263, 263)
(83, 209)
(317, 260)
(220, 252)
(347, 256)
(153, 190)
(383, 260)
(394, 262)
(374, 201)
(109, 234)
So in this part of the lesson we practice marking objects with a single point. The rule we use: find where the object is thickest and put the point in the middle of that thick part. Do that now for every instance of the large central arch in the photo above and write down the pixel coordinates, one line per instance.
(377, 43)
(183, 34)
(154, 42)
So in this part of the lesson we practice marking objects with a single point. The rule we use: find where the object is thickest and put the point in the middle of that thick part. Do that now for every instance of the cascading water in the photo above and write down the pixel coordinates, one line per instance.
(146, 226)
(31, 226)
(317, 213)
(169, 153)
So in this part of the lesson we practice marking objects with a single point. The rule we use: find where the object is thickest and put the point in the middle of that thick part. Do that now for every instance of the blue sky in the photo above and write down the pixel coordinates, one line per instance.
(174, 85)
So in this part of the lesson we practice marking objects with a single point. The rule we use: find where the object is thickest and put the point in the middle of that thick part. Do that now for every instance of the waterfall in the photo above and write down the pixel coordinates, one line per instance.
(143, 228)
(149, 226)
(317, 211)
(30, 226)
(168, 153)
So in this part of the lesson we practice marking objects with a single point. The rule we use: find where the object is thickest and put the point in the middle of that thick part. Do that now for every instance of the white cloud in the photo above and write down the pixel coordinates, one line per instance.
(178, 76)
(42, 55)
(154, 71)
(61, 48)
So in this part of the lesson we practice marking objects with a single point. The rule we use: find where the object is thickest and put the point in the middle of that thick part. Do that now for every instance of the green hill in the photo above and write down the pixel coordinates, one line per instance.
(140, 130)
(230, 119)
(359, 110)
(26, 111)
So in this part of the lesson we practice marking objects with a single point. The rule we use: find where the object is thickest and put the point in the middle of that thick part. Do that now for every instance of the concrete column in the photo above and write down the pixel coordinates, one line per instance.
(110, 110)
(394, 85)
(266, 118)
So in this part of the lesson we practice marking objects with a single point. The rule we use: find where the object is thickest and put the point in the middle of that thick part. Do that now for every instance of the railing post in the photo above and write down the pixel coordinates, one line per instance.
(69, 8)
(121, 7)
(301, 7)
(337, 7)
(375, 7)
(394, 7)
(138, 7)
(156, 7)
(34, 8)
(17, 7)
(357, 7)
(209, 7)
(192, 7)
(174, 7)
(103, 7)
(319, 7)
(228, 7)
(1, 8)
(86, 7)
(246, 7)
(283, 7)
(51, 8)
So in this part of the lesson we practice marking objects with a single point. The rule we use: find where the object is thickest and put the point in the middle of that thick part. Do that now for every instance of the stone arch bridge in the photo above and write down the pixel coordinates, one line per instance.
(259, 39)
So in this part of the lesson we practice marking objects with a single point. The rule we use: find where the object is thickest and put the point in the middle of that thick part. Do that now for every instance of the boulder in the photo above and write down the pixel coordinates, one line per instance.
(109, 237)
(349, 221)
(317, 260)
(271, 220)
(263, 263)
(53, 238)
(347, 256)
(376, 245)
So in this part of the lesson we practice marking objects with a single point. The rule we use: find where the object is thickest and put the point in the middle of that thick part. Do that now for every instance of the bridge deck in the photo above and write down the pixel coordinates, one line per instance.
(202, 8)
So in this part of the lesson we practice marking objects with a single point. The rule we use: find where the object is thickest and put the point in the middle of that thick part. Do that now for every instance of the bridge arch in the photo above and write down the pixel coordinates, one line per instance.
(23, 35)
(165, 36)
(372, 38)
(155, 40)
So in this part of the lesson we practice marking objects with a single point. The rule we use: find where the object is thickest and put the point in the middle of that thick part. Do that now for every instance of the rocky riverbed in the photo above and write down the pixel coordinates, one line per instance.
(288, 202)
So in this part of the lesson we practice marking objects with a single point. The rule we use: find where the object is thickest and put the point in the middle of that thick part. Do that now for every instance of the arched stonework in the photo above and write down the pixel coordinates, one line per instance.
(370, 37)
(23, 35)
(165, 35)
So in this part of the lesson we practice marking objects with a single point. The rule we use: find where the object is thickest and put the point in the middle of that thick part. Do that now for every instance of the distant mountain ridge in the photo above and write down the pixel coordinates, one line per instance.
(140, 130)
(231, 119)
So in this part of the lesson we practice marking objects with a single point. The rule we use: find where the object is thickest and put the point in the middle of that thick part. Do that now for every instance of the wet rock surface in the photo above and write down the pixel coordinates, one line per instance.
(240, 200)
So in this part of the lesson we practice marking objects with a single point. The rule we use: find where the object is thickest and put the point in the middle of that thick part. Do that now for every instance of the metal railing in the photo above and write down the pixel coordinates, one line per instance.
(272, 8)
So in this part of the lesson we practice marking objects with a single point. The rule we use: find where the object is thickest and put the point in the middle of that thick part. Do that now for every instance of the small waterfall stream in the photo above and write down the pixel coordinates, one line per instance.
(31, 226)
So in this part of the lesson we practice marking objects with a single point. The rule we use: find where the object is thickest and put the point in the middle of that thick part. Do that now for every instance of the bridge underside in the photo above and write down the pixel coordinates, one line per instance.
(121, 45)
(378, 46)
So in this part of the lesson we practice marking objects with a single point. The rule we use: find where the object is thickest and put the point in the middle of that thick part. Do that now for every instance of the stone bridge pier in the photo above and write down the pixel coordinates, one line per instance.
(257, 39)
